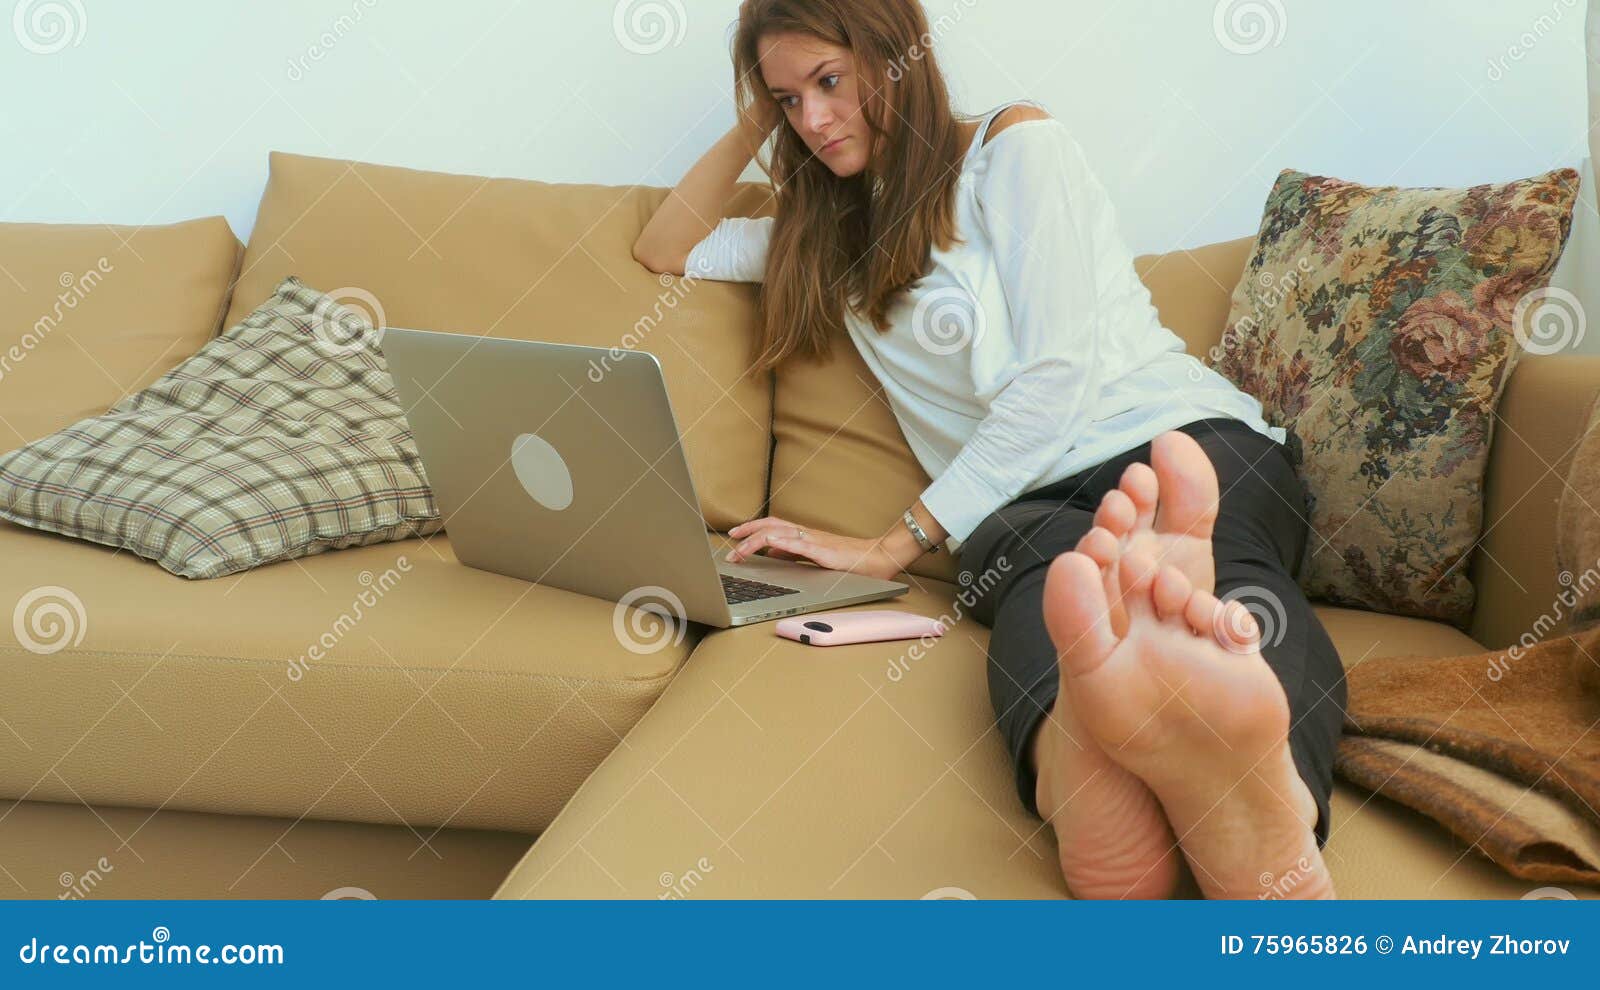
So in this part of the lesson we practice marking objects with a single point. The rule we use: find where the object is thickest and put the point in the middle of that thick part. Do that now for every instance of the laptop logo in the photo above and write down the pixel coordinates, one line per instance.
(542, 472)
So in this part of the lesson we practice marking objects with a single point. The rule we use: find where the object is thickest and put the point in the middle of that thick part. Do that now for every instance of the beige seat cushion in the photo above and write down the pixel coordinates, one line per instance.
(383, 684)
(532, 261)
(93, 313)
(78, 852)
(1360, 635)
(769, 769)
(839, 459)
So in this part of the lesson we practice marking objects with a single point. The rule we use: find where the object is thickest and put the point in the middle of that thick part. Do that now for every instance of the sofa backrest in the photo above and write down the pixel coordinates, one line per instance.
(839, 460)
(1193, 289)
(527, 260)
(91, 312)
(1541, 418)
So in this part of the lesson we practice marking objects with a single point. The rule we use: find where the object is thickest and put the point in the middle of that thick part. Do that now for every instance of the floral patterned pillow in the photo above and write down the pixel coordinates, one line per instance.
(1378, 326)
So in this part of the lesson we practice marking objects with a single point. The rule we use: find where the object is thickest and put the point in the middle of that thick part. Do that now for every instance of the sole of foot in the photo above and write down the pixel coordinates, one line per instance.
(1185, 702)
(1112, 835)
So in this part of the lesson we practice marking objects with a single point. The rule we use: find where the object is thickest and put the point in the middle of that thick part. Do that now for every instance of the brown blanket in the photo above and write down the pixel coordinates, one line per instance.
(1502, 748)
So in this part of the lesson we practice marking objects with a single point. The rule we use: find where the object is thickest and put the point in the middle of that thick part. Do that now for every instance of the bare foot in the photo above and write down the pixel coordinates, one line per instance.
(1111, 833)
(1186, 703)
(1167, 509)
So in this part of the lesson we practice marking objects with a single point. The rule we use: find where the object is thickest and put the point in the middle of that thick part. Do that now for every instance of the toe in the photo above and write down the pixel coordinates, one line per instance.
(1100, 546)
(1076, 615)
(1204, 612)
(1117, 513)
(1239, 631)
(1171, 593)
(1229, 623)
(1136, 572)
(1188, 486)
(1141, 486)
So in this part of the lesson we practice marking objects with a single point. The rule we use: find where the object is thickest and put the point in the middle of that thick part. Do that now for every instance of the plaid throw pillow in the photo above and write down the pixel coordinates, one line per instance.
(280, 438)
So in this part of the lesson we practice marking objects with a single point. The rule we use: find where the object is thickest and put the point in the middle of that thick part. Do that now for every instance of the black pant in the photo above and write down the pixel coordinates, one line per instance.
(1260, 535)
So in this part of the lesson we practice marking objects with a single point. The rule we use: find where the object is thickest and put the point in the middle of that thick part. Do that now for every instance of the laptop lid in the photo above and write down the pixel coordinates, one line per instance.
(557, 464)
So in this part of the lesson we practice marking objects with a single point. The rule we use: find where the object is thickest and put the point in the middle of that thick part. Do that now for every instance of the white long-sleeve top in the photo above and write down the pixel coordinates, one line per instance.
(1031, 351)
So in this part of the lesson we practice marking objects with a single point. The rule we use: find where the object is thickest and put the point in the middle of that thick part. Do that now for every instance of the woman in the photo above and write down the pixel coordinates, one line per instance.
(1125, 485)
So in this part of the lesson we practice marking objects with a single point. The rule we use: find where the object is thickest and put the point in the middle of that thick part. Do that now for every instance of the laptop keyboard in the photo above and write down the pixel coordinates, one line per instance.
(738, 590)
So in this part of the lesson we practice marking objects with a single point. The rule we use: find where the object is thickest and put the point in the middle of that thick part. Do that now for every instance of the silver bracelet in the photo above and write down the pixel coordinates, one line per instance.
(927, 545)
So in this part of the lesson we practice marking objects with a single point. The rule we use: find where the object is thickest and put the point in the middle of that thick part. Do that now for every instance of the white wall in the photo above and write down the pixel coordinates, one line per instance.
(165, 109)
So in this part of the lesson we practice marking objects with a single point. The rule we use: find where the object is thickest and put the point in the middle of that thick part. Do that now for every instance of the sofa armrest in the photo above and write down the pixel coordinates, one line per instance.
(1541, 419)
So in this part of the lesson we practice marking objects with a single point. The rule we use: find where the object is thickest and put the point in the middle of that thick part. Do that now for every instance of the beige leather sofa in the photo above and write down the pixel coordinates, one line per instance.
(471, 735)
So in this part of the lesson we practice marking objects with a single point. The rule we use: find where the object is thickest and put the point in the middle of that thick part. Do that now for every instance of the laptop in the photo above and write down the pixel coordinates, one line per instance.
(563, 465)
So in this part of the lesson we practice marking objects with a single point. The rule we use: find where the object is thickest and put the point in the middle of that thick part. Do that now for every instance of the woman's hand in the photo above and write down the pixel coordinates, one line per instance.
(680, 223)
(789, 541)
(759, 120)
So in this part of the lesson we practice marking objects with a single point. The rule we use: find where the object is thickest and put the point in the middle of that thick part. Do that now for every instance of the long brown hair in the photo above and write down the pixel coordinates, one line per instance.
(865, 239)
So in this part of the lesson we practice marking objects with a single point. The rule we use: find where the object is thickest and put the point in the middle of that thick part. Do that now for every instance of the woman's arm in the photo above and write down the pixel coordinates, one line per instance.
(1038, 201)
(694, 206)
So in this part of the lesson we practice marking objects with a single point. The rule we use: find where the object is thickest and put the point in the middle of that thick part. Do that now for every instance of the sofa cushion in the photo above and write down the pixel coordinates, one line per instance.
(1578, 530)
(379, 684)
(1193, 288)
(93, 313)
(532, 261)
(767, 770)
(281, 438)
(841, 463)
(78, 851)
(1378, 326)
(1537, 433)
